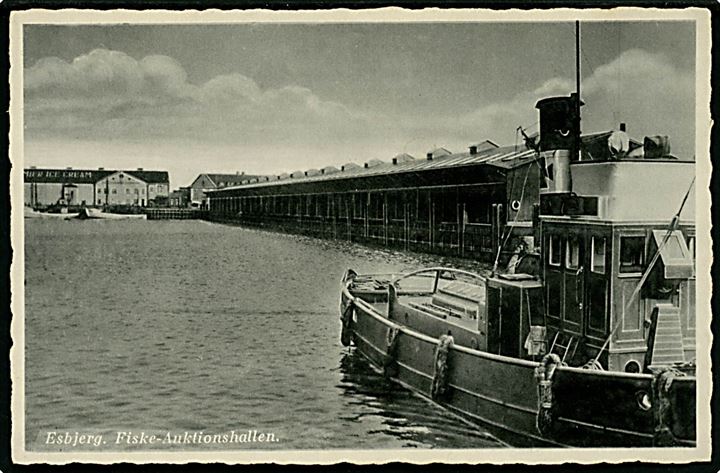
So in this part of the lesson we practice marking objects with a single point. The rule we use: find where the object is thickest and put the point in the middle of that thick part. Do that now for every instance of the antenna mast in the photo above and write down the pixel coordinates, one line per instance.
(577, 90)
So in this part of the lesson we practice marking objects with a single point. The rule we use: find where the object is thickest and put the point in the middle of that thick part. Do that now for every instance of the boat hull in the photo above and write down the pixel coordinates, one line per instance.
(590, 408)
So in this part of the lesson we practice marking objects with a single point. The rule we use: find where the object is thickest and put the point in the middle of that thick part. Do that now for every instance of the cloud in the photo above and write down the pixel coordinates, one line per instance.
(641, 89)
(106, 95)
(112, 95)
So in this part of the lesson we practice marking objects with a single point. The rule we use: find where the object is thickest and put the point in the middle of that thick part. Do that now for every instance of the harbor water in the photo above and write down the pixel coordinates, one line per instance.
(192, 327)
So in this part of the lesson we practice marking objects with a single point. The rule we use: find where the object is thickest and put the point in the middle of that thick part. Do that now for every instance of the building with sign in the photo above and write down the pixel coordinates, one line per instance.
(96, 187)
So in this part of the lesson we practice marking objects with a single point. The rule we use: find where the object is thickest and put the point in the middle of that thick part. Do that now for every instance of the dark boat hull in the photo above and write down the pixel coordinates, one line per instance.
(591, 409)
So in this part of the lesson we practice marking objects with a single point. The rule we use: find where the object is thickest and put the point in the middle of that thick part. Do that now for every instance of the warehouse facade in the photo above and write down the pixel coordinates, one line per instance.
(94, 188)
(459, 204)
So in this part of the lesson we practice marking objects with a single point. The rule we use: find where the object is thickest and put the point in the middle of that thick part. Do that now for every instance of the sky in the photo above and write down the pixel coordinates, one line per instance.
(269, 98)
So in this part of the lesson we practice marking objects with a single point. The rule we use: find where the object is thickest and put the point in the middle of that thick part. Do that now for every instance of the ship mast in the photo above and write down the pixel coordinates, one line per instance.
(577, 91)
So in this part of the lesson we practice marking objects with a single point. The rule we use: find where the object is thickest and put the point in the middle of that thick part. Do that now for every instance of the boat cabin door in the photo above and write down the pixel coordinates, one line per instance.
(576, 281)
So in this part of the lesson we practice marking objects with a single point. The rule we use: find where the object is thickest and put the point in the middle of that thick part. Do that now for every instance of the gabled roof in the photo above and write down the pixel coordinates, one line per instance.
(485, 145)
(151, 177)
(402, 158)
(439, 152)
(225, 180)
(508, 157)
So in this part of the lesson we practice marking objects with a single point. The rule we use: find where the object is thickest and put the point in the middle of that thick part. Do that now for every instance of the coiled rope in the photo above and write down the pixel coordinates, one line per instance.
(439, 386)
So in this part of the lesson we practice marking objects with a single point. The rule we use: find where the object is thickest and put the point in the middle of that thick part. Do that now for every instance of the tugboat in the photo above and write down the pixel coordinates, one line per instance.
(590, 341)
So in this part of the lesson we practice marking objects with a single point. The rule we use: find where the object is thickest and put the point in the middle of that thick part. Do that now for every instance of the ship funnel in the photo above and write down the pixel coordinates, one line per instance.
(559, 132)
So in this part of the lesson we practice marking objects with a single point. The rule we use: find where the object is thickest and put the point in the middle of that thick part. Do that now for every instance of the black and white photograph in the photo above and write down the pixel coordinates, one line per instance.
(434, 235)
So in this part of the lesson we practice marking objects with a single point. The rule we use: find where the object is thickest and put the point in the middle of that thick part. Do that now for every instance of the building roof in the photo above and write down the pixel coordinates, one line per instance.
(485, 145)
(225, 180)
(88, 176)
(507, 157)
(439, 152)
(151, 177)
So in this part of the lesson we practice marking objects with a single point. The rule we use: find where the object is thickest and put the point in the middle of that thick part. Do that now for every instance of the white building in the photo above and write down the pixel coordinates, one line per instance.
(99, 187)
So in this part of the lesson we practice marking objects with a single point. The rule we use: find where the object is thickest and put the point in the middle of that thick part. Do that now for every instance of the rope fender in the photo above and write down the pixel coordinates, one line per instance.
(390, 367)
(439, 387)
(346, 334)
(663, 412)
(545, 402)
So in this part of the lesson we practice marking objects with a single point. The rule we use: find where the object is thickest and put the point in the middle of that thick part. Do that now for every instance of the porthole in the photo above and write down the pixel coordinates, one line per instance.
(643, 400)
(473, 343)
(632, 366)
(515, 205)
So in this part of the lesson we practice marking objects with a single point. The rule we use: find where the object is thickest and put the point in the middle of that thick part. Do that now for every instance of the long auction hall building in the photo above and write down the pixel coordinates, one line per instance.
(459, 204)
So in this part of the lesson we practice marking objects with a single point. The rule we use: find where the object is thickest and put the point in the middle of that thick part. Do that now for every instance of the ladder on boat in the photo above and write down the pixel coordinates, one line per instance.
(564, 344)
(667, 345)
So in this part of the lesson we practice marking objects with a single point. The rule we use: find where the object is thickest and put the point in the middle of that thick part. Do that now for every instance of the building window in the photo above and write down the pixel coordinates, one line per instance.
(136, 190)
(572, 253)
(127, 191)
(142, 191)
(598, 255)
(554, 250)
(114, 191)
(632, 254)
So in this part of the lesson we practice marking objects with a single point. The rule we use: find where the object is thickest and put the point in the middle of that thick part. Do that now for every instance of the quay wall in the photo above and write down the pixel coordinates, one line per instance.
(174, 214)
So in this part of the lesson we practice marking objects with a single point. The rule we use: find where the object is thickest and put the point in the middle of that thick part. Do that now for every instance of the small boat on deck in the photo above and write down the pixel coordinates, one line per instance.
(590, 342)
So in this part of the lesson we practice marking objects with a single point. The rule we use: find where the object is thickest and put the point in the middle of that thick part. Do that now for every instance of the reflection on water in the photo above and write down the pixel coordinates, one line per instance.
(404, 415)
(187, 326)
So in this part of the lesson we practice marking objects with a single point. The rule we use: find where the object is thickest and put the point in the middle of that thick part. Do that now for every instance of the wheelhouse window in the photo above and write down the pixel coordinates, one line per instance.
(572, 253)
(632, 254)
(598, 255)
(691, 246)
(554, 250)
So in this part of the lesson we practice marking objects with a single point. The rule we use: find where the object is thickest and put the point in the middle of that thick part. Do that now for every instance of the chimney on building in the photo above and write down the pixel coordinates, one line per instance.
(623, 127)
(139, 169)
(473, 149)
(429, 156)
(394, 161)
(367, 165)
